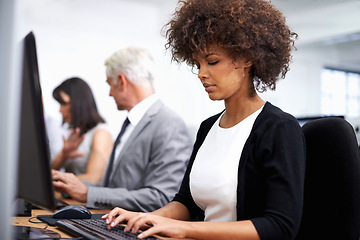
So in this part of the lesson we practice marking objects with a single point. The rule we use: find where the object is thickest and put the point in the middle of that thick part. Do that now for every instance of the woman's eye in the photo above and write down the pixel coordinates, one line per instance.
(213, 63)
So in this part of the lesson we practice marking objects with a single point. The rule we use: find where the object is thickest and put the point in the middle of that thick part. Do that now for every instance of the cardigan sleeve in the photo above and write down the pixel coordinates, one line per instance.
(281, 151)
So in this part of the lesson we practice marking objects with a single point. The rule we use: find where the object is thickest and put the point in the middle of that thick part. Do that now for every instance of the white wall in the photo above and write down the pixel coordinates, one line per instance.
(75, 36)
(300, 92)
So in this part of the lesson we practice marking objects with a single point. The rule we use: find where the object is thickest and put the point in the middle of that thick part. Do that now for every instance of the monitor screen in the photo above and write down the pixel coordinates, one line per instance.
(34, 182)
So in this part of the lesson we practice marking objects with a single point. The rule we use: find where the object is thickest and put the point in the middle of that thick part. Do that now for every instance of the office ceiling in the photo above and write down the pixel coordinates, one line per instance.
(293, 6)
(327, 21)
(321, 23)
(318, 22)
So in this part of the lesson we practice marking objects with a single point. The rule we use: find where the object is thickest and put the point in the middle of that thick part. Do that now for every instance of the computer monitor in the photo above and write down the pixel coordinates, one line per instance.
(34, 181)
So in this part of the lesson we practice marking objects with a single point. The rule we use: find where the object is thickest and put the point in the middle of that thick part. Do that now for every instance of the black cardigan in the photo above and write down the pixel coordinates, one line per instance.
(270, 175)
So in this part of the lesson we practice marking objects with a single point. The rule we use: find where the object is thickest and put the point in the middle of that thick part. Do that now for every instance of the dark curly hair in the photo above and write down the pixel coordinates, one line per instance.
(253, 29)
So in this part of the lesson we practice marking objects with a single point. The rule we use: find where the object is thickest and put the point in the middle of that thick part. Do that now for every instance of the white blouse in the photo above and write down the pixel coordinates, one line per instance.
(213, 178)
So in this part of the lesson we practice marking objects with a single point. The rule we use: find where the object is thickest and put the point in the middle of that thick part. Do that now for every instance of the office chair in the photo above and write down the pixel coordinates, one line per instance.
(332, 181)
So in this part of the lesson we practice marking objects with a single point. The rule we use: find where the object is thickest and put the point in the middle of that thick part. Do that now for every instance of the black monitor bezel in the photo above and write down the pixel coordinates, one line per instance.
(27, 166)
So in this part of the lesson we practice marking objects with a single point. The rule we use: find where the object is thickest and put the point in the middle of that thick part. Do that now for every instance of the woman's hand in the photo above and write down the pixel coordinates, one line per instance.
(149, 223)
(116, 216)
(72, 143)
(69, 149)
(154, 224)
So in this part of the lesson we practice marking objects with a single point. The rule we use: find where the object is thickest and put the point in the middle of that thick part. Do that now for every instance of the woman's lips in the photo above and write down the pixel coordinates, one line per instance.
(208, 87)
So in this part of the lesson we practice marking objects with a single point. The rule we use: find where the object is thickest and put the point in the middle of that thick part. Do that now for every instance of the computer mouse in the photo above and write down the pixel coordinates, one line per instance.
(73, 212)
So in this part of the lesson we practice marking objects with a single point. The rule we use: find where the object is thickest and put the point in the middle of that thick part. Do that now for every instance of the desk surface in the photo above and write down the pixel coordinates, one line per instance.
(24, 221)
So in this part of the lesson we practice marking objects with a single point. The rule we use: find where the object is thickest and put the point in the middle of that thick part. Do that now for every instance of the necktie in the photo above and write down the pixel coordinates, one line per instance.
(116, 143)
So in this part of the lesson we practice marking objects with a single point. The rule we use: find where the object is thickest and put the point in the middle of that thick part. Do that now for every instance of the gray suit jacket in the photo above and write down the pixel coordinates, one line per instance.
(151, 165)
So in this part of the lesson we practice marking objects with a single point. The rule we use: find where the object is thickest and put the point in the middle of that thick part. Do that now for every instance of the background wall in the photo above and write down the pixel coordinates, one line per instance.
(75, 36)
(329, 35)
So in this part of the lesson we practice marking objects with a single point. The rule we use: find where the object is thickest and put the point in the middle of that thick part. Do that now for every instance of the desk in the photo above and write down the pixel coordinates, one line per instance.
(24, 221)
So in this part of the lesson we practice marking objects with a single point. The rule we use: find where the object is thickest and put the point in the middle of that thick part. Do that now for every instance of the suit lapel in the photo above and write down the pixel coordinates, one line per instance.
(145, 120)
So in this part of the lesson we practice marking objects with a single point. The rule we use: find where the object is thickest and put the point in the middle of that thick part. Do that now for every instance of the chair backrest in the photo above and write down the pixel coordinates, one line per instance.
(332, 181)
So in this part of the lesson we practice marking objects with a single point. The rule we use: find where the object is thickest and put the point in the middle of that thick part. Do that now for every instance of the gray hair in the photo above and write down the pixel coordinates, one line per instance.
(135, 63)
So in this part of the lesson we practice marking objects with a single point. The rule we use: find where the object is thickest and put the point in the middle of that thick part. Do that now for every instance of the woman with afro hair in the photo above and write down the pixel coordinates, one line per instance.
(246, 173)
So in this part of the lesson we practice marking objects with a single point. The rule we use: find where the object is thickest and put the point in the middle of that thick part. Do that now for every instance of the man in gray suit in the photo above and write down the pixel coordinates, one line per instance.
(151, 158)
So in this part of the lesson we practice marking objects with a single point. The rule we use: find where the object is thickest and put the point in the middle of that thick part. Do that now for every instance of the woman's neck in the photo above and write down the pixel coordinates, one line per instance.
(238, 110)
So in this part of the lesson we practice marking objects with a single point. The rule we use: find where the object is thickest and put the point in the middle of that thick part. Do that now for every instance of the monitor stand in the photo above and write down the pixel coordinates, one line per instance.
(25, 233)
(22, 208)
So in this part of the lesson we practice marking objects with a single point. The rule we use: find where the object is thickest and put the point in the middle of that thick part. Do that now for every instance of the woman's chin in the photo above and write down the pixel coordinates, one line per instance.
(213, 97)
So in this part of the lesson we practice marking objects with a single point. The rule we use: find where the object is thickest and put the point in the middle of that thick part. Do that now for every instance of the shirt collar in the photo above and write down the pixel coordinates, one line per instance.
(138, 111)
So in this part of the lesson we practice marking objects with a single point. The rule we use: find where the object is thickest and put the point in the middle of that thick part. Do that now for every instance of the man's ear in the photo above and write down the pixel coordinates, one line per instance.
(122, 81)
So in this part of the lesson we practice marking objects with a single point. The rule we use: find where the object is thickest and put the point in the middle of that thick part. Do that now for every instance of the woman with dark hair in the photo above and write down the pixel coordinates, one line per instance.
(246, 174)
(89, 145)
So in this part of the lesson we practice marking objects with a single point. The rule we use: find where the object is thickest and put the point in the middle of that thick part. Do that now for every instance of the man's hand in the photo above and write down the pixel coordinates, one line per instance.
(69, 183)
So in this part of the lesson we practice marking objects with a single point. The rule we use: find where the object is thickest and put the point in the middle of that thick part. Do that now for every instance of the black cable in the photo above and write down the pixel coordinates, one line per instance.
(30, 220)
(54, 238)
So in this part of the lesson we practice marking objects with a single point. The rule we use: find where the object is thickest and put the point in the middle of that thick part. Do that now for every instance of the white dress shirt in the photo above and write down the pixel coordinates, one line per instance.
(134, 116)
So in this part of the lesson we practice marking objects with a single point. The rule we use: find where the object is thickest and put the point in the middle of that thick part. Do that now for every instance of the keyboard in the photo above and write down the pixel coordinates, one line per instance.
(91, 229)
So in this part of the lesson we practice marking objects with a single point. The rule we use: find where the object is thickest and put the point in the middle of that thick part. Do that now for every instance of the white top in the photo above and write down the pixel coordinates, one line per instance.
(213, 178)
(134, 115)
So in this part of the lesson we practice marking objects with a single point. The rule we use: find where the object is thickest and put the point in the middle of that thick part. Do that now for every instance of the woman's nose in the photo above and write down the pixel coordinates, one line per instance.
(202, 74)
